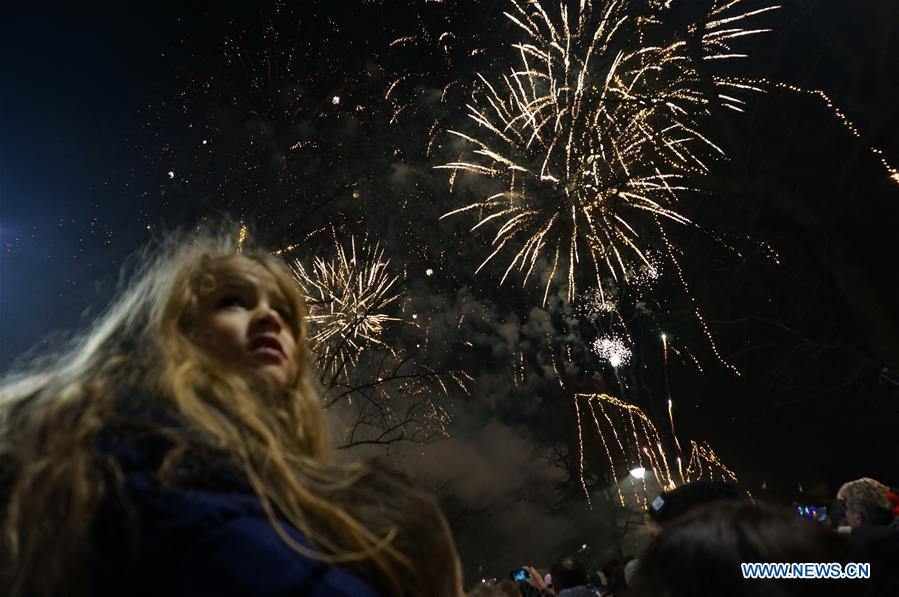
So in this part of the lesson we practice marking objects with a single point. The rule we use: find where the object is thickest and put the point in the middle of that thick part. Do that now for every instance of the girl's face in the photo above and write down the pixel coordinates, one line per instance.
(247, 323)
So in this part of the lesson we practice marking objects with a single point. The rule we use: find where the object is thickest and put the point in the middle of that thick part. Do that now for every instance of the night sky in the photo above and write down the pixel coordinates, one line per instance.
(123, 122)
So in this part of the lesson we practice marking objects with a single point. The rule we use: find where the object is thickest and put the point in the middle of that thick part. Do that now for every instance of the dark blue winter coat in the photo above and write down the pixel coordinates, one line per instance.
(213, 540)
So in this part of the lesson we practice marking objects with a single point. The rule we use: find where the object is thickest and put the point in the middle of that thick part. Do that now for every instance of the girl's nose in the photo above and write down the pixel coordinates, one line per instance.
(267, 317)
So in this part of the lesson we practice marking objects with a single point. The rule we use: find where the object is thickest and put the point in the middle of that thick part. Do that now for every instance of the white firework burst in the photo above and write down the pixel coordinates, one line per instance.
(613, 350)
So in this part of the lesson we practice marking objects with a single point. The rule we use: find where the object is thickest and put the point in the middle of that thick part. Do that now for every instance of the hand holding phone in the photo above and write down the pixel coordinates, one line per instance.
(520, 575)
(530, 575)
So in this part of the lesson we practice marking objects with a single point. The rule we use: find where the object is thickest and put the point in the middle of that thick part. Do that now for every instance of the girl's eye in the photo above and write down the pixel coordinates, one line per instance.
(229, 300)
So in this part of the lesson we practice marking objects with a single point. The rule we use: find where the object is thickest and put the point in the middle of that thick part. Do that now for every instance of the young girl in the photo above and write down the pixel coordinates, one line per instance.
(178, 449)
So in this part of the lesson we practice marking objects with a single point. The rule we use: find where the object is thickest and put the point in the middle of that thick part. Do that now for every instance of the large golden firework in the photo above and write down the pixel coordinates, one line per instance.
(596, 131)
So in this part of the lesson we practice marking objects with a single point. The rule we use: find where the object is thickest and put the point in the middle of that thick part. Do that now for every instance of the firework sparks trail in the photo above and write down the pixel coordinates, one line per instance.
(349, 296)
(670, 401)
(702, 459)
(639, 445)
(697, 313)
(838, 114)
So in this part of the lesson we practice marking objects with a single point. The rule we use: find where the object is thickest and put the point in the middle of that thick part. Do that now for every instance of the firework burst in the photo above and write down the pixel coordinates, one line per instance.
(613, 350)
(594, 134)
(350, 297)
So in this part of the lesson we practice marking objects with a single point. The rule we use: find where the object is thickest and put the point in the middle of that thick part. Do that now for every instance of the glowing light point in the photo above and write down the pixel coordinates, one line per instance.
(429, 272)
(171, 174)
(335, 100)
(638, 473)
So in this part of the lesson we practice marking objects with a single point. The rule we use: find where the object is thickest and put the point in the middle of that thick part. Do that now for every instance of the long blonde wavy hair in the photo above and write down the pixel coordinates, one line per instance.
(138, 357)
